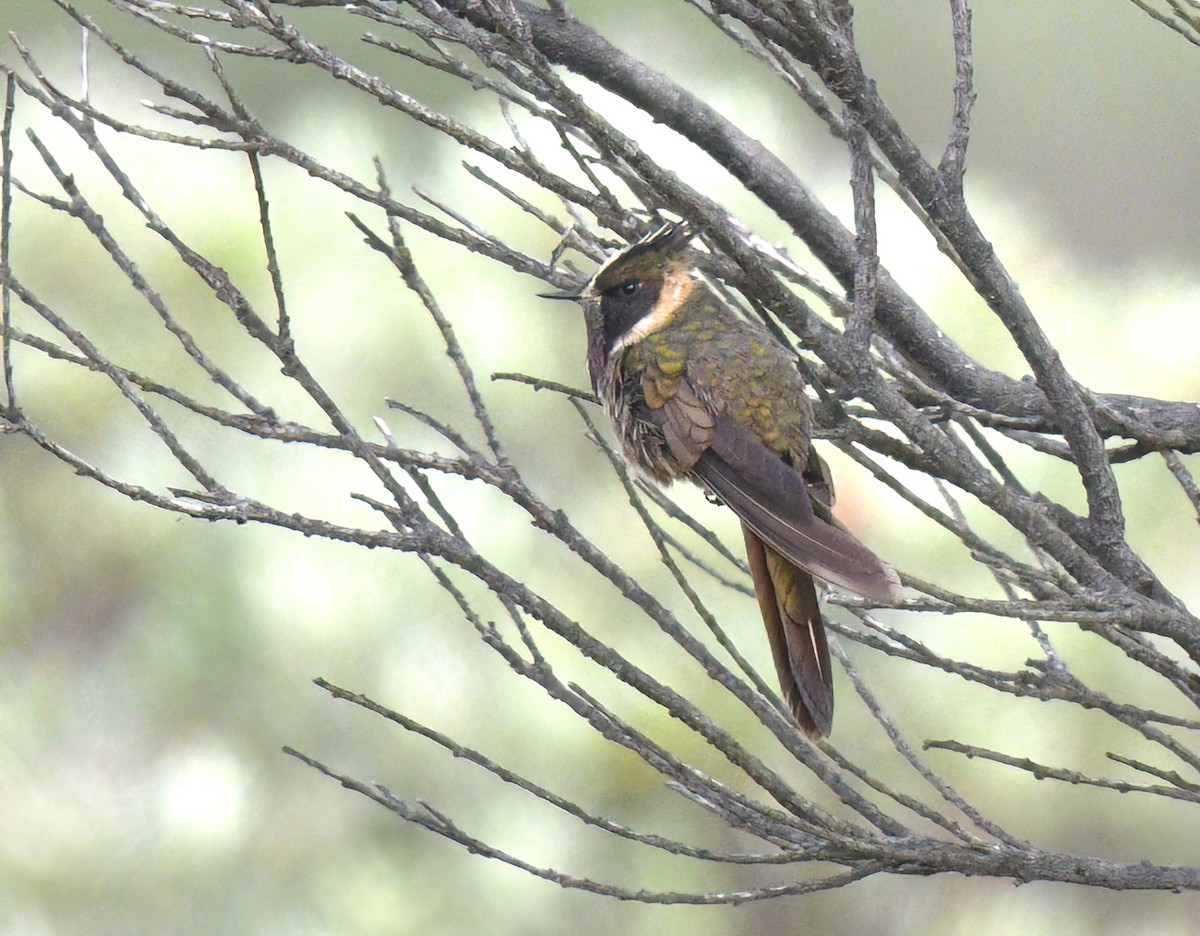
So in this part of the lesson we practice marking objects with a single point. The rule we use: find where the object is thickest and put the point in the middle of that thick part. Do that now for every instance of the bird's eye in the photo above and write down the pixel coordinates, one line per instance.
(628, 289)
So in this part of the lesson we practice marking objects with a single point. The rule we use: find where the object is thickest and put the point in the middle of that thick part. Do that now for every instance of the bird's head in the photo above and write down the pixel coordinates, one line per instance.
(637, 291)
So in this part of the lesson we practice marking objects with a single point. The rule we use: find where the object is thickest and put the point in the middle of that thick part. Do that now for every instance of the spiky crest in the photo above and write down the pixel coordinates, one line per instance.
(651, 258)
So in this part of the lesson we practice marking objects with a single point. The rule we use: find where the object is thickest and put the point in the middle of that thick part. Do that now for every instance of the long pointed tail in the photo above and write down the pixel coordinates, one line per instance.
(788, 601)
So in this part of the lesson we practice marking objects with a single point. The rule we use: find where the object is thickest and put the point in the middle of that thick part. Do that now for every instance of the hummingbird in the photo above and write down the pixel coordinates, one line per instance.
(697, 391)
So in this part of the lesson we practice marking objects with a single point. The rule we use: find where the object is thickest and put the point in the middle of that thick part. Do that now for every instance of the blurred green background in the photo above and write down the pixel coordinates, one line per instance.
(151, 667)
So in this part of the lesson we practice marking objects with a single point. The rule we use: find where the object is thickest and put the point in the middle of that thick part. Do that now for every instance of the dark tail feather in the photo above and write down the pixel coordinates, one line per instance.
(788, 602)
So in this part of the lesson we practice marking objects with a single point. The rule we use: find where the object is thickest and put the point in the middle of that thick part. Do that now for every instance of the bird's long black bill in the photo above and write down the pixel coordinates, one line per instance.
(574, 297)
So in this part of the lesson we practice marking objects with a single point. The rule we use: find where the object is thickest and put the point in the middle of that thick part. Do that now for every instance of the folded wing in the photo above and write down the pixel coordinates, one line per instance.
(772, 500)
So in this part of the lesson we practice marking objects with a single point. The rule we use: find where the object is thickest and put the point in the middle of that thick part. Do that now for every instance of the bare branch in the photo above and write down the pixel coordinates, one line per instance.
(954, 450)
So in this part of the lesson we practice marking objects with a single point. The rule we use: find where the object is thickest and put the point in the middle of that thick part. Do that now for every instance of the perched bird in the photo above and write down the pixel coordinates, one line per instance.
(696, 391)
